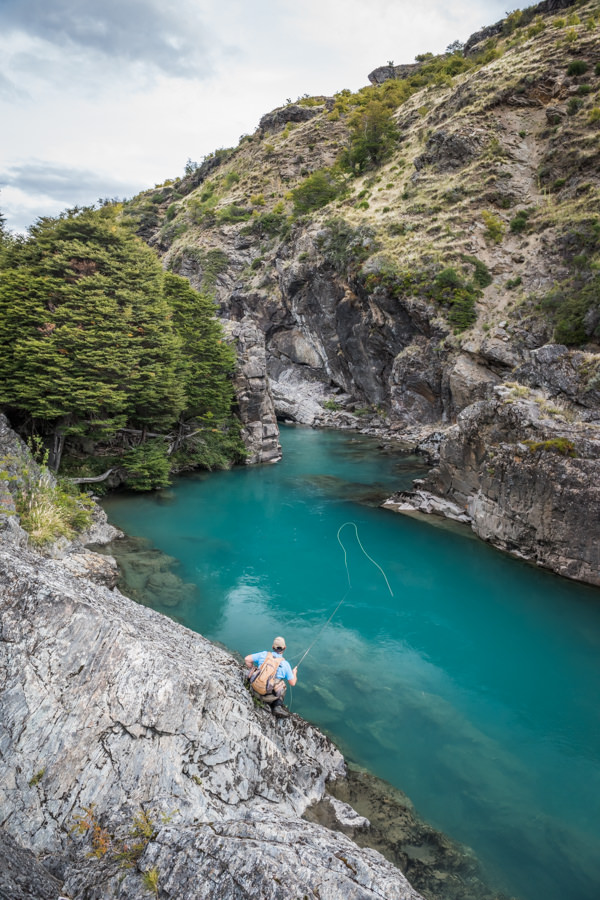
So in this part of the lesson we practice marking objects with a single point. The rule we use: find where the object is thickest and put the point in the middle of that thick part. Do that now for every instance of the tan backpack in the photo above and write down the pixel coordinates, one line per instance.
(263, 679)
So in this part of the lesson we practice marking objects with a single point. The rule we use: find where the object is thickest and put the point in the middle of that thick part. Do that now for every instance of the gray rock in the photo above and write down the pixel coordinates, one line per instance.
(256, 409)
(449, 150)
(22, 877)
(508, 467)
(109, 706)
(278, 118)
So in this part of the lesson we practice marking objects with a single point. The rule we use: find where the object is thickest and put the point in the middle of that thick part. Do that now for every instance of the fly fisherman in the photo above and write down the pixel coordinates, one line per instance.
(268, 679)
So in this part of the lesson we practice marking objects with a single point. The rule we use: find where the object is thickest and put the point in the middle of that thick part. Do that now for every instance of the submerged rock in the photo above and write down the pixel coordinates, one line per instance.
(383, 818)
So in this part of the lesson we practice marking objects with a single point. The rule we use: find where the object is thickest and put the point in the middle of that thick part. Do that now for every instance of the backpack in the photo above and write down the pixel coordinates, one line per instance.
(263, 679)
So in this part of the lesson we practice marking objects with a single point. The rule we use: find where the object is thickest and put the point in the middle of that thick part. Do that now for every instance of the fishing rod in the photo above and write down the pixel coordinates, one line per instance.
(324, 626)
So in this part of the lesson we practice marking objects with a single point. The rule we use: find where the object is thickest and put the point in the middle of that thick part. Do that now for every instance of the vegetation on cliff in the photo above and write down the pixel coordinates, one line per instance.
(111, 361)
(488, 151)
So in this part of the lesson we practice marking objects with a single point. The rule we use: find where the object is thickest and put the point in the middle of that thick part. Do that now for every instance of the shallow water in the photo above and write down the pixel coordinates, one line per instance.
(474, 688)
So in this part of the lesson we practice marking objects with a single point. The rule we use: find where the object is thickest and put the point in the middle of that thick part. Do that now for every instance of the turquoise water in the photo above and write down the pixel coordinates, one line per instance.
(474, 688)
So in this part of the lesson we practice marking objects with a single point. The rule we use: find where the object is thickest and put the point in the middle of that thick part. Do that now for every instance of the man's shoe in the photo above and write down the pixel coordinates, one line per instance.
(278, 709)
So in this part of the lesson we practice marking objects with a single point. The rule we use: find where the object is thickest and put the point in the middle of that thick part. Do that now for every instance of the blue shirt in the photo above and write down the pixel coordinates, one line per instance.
(284, 670)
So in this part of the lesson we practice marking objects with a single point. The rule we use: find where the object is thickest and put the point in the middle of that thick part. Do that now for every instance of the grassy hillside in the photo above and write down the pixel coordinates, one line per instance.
(473, 182)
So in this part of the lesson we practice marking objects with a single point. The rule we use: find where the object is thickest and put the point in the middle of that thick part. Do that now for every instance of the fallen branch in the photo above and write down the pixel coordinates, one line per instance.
(90, 480)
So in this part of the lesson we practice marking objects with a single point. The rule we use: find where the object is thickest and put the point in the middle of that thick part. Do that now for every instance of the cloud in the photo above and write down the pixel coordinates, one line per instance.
(44, 188)
(9, 91)
(162, 35)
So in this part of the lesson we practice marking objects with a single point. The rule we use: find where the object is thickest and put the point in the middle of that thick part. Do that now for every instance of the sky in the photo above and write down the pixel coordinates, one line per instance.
(104, 98)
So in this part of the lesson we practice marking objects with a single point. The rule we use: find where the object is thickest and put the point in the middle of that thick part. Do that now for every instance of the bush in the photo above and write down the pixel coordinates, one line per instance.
(481, 275)
(561, 445)
(577, 67)
(316, 191)
(268, 224)
(519, 223)
(575, 306)
(232, 214)
(451, 290)
(494, 227)
(345, 247)
(50, 509)
(147, 466)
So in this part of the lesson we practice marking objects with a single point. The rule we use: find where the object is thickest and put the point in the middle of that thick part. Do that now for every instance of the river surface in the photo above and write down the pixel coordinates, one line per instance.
(474, 688)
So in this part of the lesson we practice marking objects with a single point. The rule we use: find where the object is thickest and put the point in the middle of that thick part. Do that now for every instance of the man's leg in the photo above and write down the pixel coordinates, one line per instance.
(277, 708)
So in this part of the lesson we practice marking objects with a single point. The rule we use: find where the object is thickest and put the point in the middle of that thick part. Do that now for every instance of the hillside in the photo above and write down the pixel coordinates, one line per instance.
(387, 260)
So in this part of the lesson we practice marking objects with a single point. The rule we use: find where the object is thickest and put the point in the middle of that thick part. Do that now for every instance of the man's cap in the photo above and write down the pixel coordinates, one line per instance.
(279, 643)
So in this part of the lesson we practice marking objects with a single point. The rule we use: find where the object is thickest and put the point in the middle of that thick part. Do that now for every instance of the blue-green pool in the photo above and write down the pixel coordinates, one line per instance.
(474, 688)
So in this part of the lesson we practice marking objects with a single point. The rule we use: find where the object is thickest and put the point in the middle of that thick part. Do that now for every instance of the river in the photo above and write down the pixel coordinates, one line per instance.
(474, 687)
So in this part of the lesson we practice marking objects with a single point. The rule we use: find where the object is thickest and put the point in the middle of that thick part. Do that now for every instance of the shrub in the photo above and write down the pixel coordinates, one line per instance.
(577, 67)
(268, 224)
(513, 283)
(451, 290)
(345, 247)
(574, 105)
(575, 306)
(316, 191)
(481, 274)
(50, 509)
(561, 445)
(373, 135)
(519, 223)
(494, 227)
(147, 466)
(232, 214)
(594, 115)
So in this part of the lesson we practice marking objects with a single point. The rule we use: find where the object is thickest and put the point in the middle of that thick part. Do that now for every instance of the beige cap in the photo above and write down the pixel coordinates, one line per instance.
(279, 643)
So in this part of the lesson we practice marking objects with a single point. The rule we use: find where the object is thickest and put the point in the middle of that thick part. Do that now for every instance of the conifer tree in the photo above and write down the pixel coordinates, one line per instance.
(86, 335)
(207, 361)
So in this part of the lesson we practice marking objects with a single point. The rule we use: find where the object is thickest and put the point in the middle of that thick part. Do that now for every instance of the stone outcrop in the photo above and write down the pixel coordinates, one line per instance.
(108, 706)
(525, 478)
(449, 150)
(294, 112)
(254, 397)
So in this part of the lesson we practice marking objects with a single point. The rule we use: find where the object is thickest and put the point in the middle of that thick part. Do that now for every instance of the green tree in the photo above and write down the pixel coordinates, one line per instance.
(207, 362)
(372, 138)
(316, 191)
(86, 336)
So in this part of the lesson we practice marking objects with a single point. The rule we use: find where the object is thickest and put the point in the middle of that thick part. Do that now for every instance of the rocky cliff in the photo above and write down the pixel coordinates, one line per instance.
(393, 293)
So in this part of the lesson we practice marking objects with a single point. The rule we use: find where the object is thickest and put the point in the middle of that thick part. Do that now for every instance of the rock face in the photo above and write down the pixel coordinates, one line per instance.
(21, 875)
(254, 397)
(108, 706)
(525, 478)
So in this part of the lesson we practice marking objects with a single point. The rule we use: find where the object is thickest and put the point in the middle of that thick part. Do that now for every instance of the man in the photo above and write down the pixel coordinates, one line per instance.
(272, 673)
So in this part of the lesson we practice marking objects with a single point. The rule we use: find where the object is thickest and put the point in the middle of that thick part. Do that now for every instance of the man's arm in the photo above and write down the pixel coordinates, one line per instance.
(294, 677)
(249, 660)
